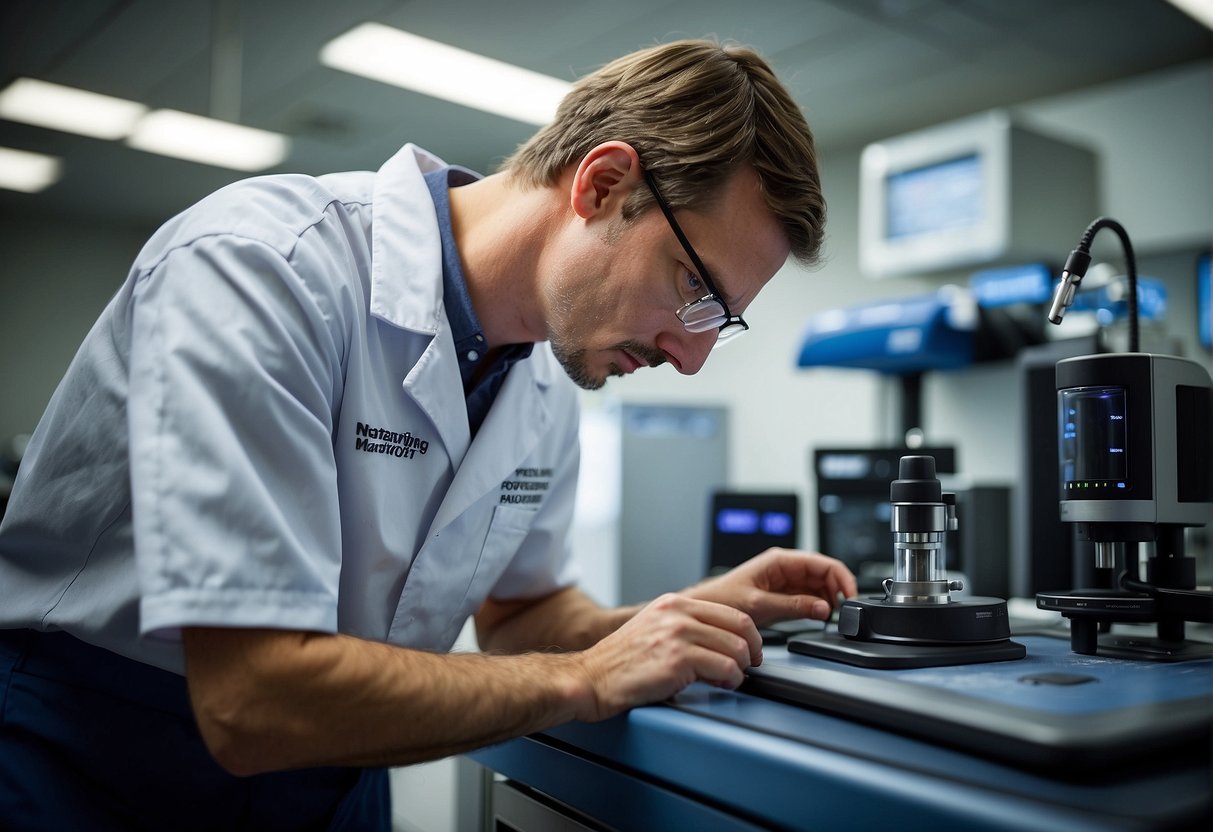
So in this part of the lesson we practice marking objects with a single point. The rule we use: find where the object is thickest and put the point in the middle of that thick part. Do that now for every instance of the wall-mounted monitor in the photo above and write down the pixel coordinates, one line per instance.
(978, 191)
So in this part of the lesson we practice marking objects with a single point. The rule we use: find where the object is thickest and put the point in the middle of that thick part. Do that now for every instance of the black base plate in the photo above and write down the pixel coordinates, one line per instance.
(1146, 648)
(1092, 610)
(1109, 604)
(882, 656)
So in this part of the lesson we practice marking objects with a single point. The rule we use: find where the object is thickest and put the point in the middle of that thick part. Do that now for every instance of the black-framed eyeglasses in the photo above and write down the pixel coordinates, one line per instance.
(709, 311)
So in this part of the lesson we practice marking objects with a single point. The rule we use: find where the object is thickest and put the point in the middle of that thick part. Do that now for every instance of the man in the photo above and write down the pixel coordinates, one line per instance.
(324, 421)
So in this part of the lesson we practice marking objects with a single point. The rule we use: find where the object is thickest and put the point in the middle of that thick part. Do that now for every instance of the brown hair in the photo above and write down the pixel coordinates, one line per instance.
(696, 112)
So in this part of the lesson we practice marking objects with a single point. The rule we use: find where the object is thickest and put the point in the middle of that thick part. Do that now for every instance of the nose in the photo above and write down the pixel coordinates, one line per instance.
(687, 351)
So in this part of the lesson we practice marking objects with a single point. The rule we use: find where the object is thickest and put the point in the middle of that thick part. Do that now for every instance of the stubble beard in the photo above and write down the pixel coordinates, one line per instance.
(574, 366)
(573, 360)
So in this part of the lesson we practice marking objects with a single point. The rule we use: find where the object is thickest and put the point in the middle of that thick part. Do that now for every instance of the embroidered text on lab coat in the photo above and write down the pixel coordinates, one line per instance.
(383, 441)
(527, 487)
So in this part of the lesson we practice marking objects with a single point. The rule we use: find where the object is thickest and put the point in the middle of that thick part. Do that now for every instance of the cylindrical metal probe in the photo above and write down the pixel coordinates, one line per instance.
(920, 522)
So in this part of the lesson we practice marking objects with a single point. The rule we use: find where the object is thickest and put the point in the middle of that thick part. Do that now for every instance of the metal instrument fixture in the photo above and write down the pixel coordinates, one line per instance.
(1135, 441)
(918, 622)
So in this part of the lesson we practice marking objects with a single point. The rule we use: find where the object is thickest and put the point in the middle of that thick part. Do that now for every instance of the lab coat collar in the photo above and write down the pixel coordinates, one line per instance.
(406, 248)
(406, 291)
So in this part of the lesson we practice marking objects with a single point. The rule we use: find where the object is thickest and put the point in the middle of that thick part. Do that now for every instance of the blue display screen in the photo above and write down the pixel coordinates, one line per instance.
(934, 197)
(1094, 436)
(751, 521)
(737, 520)
(776, 523)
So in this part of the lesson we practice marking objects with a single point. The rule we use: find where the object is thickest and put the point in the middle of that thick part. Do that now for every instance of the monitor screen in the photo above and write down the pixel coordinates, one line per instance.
(934, 197)
(744, 525)
(968, 193)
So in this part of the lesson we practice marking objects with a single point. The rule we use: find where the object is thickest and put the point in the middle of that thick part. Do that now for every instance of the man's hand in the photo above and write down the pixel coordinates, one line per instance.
(670, 643)
(780, 584)
(707, 633)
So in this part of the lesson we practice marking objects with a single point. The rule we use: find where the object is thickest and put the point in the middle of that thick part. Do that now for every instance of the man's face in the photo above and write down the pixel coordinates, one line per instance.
(613, 309)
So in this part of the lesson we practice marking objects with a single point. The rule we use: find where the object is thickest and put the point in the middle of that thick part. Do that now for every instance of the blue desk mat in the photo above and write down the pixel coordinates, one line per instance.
(1003, 710)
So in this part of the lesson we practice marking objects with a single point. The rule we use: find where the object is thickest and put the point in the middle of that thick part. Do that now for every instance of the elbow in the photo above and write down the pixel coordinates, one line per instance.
(242, 724)
(233, 744)
(234, 760)
(239, 696)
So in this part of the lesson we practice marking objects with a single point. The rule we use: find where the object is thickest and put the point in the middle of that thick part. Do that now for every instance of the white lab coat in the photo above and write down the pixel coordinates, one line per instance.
(266, 428)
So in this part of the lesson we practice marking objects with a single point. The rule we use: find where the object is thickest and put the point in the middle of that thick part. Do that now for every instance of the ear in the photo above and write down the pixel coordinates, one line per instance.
(604, 178)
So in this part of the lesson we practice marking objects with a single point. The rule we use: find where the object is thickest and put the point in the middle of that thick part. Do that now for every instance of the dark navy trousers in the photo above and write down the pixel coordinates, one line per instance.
(94, 741)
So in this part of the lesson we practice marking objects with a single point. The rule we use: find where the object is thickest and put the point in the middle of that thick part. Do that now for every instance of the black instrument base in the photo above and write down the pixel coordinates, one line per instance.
(884, 656)
(960, 621)
(1102, 604)
(1089, 609)
(1151, 649)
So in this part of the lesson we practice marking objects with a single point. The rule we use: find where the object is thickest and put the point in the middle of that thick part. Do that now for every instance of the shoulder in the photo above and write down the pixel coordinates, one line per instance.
(274, 211)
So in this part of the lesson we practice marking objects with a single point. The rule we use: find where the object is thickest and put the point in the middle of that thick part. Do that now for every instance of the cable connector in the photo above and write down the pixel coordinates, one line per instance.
(1076, 267)
(1071, 276)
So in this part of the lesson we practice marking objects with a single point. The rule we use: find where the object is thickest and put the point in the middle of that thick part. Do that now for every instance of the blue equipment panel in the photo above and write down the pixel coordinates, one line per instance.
(1030, 283)
(930, 332)
(1204, 301)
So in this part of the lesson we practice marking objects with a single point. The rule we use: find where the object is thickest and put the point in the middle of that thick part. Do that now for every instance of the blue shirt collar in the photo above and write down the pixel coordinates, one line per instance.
(468, 334)
(465, 326)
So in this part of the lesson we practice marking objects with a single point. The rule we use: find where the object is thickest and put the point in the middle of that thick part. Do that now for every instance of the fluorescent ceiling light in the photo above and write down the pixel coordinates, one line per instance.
(207, 140)
(382, 53)
(67, 108)
(28, 172)
(1199, 10)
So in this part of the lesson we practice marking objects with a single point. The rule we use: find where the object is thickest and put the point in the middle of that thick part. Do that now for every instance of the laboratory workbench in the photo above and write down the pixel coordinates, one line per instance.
(816, 744)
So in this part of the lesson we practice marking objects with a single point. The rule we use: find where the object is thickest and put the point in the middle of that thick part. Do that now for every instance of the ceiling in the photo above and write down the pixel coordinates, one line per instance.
(861, 70)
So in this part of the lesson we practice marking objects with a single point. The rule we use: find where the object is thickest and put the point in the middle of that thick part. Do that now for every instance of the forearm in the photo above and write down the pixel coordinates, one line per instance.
(564, 620)
(276, 700)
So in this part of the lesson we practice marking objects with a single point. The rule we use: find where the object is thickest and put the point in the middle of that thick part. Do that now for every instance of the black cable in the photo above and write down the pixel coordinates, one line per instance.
(1084, 245)
(1076, 267)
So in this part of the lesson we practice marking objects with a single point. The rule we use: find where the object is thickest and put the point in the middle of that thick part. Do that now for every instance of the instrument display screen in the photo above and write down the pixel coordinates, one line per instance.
(1093, 427)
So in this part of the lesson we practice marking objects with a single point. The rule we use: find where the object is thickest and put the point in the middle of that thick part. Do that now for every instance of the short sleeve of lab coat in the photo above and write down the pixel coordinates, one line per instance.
(235, 372)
